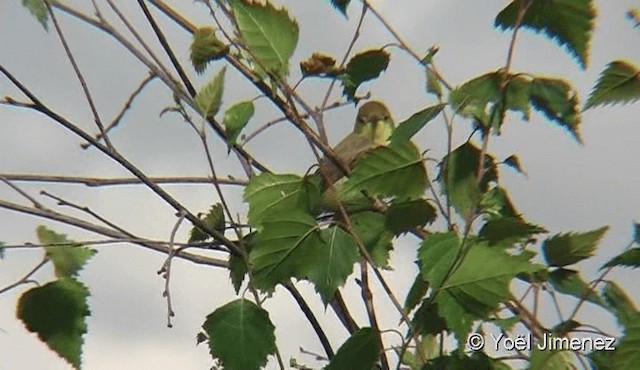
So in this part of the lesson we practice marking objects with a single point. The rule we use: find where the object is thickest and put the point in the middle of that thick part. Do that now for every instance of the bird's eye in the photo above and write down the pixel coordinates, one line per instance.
(385, 118)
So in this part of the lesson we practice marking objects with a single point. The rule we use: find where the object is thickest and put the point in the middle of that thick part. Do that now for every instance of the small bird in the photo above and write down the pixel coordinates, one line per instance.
(372, 129)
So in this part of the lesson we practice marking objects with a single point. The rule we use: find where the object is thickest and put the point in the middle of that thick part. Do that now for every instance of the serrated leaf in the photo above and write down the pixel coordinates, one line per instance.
(56, 312)
(486, 98)
(560, 360)
(205, 47)
(269, 33)
(496, 204)
(619, 302)
(557, 100)
(458, 174)
(287, 246)
(427, 321)
(628, 258)
(417, 291)
(415, 123)
(572, 283)
(237, 271)
(363, 67)
(405, 216)
(67, 256)
(370, 229)
(506, 231)
(437, 255)
(214, 218)
(241, 335)
(394, 170)
(270, 194)
(236, 118)
(627, 352)
(568, 22)
(38, 9)
(341, 5)
(478, 285)
(567, 249)
(209, 98)
(336, 262)
(359, 352)
(619, 83)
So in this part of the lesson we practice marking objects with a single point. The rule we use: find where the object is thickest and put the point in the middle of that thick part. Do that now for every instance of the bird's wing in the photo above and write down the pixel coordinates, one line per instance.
(350, 150)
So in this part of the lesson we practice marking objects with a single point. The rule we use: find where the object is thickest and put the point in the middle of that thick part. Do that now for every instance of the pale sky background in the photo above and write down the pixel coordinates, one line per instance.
(569, 187)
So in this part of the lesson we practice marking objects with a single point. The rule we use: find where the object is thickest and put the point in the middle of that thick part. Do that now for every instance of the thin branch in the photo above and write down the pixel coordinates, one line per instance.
(97, 182)
(76, 69)
(40, 107)
(308, 313)
(82, 224)
(33, 201)
(127, 106)
(26, 278)
(165, 271)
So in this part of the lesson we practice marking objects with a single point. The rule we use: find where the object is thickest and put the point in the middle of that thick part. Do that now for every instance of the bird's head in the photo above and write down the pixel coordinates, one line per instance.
(375, 120)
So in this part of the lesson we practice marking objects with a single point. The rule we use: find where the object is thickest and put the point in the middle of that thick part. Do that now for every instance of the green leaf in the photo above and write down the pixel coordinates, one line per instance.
(478, 285)
(484, 98)
(56, 312)
(567, 249)
(67, 256)
(496, 204)
(206, 47)
(38, 9)
(458, 174)
(601, 360)
(619, 83)
(394, 170)
(415, 123)
(556, 360)
(269, 33)
(568, 22)
(559, 103)
(629, 258)
(209, 98)
(335, 263)
(405, 216)
(370, 229)
(341, 5)
(460, 361)
(571, 282)
(619, 302)
(288, 245)
(269, 194)
(236, 118)
(241, 335)
(359, 352)
(507, 231)
(427, 321)
(417, 291)
(437, 255)
(627, 355)
(361, 68)
(237, 271)
(214, 218)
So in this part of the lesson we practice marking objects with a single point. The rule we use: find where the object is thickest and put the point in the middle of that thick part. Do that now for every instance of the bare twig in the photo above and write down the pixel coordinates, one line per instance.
(33, 201)
(165, 270)
(97, 182)
(26, 278)
(127, 106)
(83, 83)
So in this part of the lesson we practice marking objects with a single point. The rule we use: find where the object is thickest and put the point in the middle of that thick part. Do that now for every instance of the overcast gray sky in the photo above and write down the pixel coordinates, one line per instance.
(568, 187)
